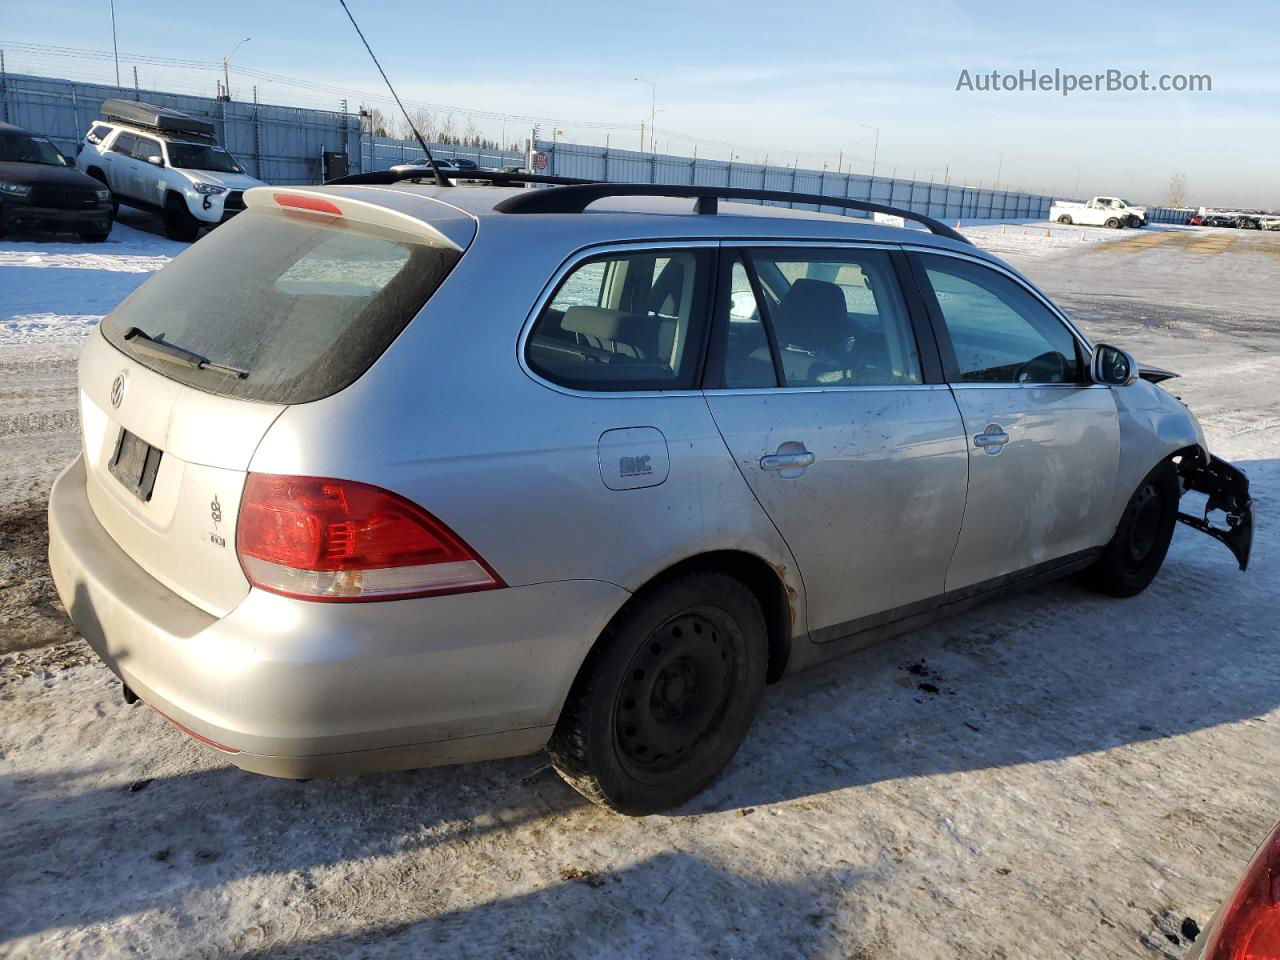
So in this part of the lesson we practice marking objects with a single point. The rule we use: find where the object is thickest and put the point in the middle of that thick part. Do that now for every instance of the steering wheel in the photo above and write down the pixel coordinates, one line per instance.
(1049, 367)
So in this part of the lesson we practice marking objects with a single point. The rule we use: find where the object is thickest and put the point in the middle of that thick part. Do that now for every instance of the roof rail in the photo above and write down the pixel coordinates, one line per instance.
(499, 177)
(572, 195)
(576, 198)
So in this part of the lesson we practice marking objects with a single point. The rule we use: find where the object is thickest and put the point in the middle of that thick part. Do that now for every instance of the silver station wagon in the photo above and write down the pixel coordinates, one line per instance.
(384, 474)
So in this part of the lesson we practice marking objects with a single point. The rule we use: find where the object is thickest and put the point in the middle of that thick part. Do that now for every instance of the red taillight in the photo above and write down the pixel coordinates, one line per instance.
(1249, 926)
(337, 540)
(299, 201)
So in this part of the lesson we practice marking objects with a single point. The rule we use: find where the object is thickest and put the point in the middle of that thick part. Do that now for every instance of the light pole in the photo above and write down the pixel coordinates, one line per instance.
(999, 166)
(876, 150)
(1075, 192)
(114, 48)
(653, 112)
(226, 74)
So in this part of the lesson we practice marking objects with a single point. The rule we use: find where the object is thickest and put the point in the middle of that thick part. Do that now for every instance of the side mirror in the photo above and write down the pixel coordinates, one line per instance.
(156, 159)
(1112, 366)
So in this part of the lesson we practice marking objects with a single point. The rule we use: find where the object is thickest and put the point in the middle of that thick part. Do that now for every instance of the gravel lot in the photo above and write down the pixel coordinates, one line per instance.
(1055, 774)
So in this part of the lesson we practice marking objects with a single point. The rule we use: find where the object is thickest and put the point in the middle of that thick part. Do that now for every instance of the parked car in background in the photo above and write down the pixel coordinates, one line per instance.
(1099, 212)
(1195, 220)
(41, 189)
(1221, 220)
(1247, 925)
(385, 474)
(445, 165)
(167, 162)
(1270, 221)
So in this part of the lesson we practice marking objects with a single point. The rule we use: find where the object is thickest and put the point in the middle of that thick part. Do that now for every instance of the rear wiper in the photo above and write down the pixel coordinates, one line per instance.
(144, 343)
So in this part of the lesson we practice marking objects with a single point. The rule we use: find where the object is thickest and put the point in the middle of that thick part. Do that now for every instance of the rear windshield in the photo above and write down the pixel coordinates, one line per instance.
(302, 304)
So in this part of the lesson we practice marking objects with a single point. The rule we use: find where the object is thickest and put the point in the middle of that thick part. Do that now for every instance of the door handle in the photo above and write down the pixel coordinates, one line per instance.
(787, 461)
(992, 439)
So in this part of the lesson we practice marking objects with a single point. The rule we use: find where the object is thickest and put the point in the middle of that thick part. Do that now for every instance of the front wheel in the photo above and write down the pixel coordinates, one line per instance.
(179, 224)
(666, 697)
(1136, 222)
(1135, 554)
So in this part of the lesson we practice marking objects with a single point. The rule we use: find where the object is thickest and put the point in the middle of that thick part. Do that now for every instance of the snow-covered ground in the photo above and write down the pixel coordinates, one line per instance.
(1055, 774)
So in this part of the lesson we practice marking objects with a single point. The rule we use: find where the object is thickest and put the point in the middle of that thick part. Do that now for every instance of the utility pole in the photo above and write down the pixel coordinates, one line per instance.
(999, 166)
(226, 74)
(642, 136)
(875, 152)
(114, 48)
(1076, 190)
(653, 113)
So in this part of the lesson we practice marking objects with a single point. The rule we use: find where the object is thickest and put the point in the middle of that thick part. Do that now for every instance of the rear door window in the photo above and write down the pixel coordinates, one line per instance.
(303, 304)
(125, 143)
(625, 321)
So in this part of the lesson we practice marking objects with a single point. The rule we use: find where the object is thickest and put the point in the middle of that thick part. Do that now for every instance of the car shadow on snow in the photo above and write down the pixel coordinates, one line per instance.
(1041, 676)
(639, 911)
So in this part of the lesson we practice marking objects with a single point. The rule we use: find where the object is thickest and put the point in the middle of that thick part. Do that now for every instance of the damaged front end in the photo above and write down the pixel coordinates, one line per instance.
(1226, 488)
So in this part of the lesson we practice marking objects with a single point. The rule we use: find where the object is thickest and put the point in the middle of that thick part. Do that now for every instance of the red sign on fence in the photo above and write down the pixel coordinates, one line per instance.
(539, 161)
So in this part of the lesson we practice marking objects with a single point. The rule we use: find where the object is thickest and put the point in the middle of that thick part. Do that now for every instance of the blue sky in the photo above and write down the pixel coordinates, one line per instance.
(743, 78)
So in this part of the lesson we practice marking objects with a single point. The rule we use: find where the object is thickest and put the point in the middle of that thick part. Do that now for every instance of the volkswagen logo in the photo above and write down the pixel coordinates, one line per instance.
(117, 388)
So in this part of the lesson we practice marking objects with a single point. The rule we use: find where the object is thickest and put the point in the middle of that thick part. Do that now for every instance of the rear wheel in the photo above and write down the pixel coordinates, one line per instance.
(1135, 554)
(179, 224)
(94, 236)
(667, 696)
(1113, 223)
(1066, 219)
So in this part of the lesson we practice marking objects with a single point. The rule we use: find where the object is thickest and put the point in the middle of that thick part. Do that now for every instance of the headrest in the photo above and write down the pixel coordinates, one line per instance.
(812, 314)
(599, 322)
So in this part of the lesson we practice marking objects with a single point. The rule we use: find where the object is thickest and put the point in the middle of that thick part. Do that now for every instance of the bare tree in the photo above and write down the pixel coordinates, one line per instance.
(1176, 195)
(447, 132)
(424, 120)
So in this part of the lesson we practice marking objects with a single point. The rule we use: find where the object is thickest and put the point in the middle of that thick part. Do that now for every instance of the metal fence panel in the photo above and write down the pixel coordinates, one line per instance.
(274, 143)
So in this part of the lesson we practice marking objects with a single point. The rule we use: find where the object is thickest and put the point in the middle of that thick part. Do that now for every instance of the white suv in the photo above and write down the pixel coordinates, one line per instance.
(166, 161)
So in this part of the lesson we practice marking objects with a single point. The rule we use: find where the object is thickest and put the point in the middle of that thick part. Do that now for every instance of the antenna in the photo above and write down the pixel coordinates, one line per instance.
(441, 179)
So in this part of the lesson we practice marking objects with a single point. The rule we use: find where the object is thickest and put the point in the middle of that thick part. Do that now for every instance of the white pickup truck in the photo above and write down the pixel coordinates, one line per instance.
(1099, 212)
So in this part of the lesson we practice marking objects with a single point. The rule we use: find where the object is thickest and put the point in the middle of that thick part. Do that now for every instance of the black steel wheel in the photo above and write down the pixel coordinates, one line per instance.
(1133, 557)
(666, 697)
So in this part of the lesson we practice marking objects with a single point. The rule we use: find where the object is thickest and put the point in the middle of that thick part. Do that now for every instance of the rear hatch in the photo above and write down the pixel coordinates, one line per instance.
(288, 303)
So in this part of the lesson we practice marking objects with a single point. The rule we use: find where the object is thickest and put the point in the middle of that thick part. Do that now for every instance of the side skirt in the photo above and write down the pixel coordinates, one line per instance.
(841, 638)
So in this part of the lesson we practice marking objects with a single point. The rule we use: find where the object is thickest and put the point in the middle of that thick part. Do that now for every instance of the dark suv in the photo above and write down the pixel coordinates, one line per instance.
(42, 189)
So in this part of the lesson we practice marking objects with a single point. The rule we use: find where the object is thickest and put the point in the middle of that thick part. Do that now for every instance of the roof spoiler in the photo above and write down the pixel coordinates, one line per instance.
(568, 195)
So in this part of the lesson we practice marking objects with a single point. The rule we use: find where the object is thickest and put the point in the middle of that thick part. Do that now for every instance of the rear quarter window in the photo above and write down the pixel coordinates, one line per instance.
(625, 321)
(304, 304)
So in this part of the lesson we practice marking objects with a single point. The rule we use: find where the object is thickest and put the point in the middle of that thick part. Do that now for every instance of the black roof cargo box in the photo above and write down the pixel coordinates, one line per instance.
(159, 119)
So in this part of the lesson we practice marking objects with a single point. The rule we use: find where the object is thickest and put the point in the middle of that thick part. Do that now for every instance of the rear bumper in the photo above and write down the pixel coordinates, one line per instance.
(296, 689)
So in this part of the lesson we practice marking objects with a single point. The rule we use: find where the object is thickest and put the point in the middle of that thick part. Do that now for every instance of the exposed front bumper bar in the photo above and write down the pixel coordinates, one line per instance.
(1227, 489)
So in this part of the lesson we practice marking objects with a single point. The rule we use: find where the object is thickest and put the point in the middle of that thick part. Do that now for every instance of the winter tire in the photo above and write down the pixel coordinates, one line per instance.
(666, 697)
(1132, 559)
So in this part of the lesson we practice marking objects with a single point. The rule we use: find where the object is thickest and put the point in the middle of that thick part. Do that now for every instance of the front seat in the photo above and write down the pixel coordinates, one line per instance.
(812, 327)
